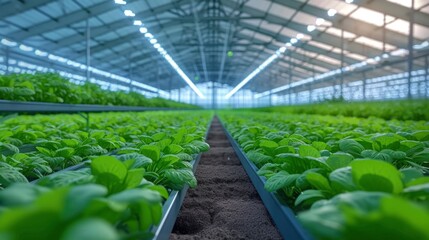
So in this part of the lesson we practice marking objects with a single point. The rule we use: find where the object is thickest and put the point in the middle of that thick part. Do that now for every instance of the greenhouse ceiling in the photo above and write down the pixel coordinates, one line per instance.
(251, 44)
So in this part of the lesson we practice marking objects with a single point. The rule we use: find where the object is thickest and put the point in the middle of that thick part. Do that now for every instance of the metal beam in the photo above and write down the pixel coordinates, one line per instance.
(326, 38)
(116, 25)
(395, 10)
(66, 20)
(13, 8)
(358, 27)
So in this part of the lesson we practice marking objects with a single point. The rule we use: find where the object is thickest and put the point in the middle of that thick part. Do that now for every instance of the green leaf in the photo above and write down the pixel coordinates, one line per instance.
(342, 180)
(318, 181)
(109, 172)
(409, 174)
(65, 152)
(319, 145)
(309, 197)
(90, 229)
(79, 197)
(184, 157)
(159, 136)
(418, 181)
(67, 178)
(268, 145)
(280, 180)
(339, 160)
(417, 192)
(179, 177)
(137, 195)
(9, 176)
(44, 151)
(20, 194)
(202, 146)
(282, 149)
(422, 135)
(421, 157)
(151, 151)
(174, 149)
(135, 160)
(134, 178)
(373, 175)
(308, 151)
(351, 146)
(258, 158)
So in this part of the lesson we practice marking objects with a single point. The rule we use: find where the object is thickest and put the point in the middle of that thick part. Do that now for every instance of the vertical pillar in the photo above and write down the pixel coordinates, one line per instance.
(213, 95)
(179, 95)
(290, 80)
(88, 50)
(6, 58)
(364, 86)
(427, 76)
(342, 65)
(410, 48)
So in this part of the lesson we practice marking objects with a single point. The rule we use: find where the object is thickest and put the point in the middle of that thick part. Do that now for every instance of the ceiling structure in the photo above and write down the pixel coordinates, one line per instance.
(199, 34)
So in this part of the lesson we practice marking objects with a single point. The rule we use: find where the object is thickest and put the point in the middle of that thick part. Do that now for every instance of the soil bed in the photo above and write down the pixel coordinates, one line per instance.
(225, 205)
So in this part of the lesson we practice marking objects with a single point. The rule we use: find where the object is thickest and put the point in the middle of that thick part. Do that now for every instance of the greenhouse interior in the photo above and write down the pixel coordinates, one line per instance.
(214, 119)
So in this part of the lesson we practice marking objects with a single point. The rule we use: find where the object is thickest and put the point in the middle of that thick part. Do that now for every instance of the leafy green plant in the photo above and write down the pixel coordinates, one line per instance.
(324, 168)
(51, 87)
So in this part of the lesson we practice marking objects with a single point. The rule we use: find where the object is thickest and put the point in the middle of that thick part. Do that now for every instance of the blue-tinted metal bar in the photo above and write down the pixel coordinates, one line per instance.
(42, 107)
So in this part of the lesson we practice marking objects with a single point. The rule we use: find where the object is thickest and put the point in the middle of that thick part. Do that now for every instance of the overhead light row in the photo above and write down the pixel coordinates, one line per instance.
(81, 66)
(152, 40)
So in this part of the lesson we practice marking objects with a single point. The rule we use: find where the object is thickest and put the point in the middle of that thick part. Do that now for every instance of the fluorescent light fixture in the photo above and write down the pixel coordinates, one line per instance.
(8, 43)
(129, 13)
(288, 44)
(120, 2)
(143, 30)
(421, 45)
(319, 21)
(348, 1)
(252, 75)
(164, 53)
(299, 36)
(385, 55)
(282, 49)
(399, 52)
(311, 28)
(40, 53)
(293, 40)
(25, 48)
(332, 12)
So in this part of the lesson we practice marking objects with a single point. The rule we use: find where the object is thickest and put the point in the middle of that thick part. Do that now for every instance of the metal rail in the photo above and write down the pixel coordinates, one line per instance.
(44, 107)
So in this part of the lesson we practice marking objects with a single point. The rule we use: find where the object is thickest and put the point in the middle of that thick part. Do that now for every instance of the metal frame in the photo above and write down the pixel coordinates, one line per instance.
(186, 29)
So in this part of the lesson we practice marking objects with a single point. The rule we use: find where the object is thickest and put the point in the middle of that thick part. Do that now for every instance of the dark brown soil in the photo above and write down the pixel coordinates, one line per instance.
(225, 205)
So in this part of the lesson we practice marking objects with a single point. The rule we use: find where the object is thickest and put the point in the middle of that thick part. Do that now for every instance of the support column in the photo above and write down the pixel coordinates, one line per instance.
(427, 77)
(342, 65)
(290, 80)
(410, 48)
(364, 86)
(6, 58)
(88, 50)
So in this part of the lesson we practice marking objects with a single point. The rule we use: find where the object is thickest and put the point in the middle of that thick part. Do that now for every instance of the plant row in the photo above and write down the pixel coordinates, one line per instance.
(399, 109)
(50, 87)
(132, 162)
(346, 178)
